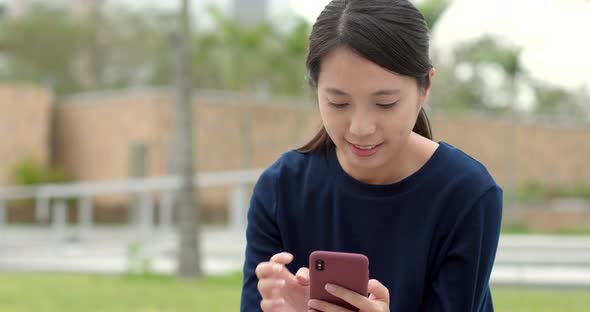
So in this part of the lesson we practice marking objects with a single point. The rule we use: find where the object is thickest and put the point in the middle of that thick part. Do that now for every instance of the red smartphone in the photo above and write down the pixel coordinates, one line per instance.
(348, 270)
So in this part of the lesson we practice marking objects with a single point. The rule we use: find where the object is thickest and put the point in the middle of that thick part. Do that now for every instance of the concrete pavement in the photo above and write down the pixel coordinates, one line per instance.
(535, 260)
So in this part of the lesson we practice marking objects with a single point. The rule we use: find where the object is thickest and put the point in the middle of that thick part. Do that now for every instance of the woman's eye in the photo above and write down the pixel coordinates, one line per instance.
(338, 105)
(386, 106)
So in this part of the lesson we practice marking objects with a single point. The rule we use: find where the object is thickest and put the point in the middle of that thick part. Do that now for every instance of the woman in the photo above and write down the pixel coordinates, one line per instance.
(373, 181)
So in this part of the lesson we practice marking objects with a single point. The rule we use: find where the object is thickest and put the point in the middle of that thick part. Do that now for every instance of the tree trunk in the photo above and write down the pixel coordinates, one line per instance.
(189, 265)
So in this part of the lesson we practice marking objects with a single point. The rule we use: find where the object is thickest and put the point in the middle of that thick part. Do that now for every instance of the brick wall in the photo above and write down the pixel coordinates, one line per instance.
(25, 116)
(94, 138)
(94, 135)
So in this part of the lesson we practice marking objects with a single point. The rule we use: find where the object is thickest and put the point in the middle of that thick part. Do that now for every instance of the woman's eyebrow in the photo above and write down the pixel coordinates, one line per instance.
(336, 91)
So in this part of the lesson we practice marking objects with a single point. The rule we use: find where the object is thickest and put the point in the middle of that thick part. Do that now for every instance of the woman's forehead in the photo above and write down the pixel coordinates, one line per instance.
(342, 67)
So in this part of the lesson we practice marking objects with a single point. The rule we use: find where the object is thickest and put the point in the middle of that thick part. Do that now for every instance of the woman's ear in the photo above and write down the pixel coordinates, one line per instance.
(426, 90)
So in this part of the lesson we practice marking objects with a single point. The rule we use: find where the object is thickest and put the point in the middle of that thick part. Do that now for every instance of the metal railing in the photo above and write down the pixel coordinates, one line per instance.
(55, 196)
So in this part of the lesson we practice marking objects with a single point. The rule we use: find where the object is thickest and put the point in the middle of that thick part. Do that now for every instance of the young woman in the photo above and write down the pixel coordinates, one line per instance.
(373, 181)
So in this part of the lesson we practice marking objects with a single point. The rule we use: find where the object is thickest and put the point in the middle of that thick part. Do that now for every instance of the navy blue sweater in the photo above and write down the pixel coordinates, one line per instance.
(431, 238)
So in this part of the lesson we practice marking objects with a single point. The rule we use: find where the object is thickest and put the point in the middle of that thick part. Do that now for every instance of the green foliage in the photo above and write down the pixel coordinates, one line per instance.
(30, 172)
(457, 96)
(432, 10)
(520, 228)
(487, 50)
(256, 58)
(515, 229)
(40, 47)
(533, 191)
(453, 96)
(138, 263)
(111, 50)
(2, 11)
(70, 54)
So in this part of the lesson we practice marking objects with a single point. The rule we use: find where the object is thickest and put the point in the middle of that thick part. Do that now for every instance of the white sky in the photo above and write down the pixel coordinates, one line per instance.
(553, 33)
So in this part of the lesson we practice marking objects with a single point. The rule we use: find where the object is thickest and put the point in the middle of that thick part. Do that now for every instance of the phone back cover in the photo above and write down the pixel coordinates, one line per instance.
(348, 270)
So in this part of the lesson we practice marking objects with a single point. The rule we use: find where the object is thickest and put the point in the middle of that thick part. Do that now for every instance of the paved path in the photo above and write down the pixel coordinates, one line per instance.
(535, 260)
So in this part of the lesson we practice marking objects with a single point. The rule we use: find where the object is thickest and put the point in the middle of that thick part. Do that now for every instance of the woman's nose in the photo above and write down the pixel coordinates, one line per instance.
(362, 126)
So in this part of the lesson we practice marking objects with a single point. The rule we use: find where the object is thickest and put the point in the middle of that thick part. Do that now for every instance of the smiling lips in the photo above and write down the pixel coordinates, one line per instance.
(365, 147)
(364, 150)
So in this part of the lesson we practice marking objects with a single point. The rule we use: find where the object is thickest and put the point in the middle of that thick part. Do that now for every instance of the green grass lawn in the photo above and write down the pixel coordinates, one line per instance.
(58, 292)
(65, 293)
(524, 229)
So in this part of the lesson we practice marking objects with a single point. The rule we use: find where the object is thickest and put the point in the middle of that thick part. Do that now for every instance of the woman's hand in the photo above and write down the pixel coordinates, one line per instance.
(281, 290)
(378, 301)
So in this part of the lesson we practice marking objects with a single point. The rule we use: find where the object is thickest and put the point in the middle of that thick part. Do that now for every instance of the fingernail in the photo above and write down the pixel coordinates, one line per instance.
(330, 288)
(277, 268)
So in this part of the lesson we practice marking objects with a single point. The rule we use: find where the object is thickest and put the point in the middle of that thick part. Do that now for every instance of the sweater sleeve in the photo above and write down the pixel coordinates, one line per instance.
(461, 280)
(262, 236)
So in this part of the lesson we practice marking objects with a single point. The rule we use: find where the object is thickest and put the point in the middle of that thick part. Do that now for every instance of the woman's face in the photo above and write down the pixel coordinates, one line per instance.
(367, 111)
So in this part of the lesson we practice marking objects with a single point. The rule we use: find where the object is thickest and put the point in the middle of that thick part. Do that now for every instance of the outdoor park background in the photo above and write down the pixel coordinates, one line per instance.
(89, 111)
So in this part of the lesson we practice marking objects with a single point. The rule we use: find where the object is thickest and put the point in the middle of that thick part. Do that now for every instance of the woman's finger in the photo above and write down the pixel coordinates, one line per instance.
(350, 296)
(378, 291)
(272, 305)
(268, 270)
(303, 276)
(325, 306)
(270, 288)
(282, 258)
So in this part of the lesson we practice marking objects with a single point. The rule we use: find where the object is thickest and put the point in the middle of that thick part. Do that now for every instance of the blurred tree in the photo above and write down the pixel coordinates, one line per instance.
(109, 50)
(115, 52)
(2, 18)
(234, 51)
(40, 47)
(81, 53)
(486, 50)
(93, 51)
(256, 59)
(475, 92)
(134, 50)
(189, 253)
(555, 102)
(288, 73)
(452, 95)
(106, 50)
(432, 10)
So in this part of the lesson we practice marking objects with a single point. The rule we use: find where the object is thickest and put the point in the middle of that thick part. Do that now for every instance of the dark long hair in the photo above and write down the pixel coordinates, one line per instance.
(390, 33)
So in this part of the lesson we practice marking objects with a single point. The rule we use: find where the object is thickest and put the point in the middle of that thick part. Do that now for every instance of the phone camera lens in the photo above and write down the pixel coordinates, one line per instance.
(319, 265)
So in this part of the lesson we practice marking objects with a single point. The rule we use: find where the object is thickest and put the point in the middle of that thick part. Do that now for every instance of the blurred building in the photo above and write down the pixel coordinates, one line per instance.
(16, 8)
(250, 12)
(83, 7)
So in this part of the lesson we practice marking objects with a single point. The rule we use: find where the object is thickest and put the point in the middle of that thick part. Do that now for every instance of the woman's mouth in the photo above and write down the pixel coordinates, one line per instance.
(364, 150)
